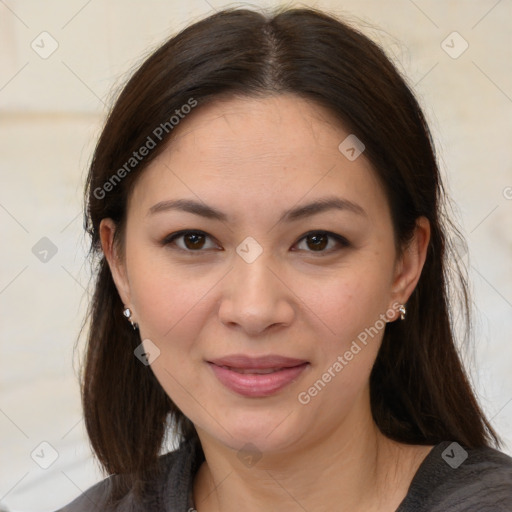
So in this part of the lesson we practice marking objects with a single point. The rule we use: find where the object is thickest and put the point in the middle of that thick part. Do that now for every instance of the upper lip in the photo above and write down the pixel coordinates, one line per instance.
(263, 362)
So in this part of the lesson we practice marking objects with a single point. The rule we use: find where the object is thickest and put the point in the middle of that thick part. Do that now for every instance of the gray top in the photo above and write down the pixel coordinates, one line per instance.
(450, 479)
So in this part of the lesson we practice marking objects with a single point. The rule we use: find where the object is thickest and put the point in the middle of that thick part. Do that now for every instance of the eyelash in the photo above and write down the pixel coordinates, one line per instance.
(343, 242)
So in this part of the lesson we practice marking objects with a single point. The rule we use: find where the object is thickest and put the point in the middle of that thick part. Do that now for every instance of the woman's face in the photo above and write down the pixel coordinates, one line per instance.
(249, 281)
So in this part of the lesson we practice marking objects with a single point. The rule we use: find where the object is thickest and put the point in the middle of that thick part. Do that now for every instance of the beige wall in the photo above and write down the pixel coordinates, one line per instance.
(50, 114)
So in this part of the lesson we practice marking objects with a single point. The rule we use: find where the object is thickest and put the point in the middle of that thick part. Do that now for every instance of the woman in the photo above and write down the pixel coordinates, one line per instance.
(272, 285)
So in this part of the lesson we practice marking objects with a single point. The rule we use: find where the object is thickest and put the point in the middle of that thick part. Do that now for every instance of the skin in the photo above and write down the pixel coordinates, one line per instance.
(253, 159)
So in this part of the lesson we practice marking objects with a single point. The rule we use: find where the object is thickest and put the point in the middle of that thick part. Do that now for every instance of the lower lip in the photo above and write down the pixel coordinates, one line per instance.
(254, 385)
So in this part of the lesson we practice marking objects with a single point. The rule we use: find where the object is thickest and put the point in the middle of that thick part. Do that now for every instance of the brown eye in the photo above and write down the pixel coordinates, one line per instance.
(190, 241)
(317, 241)
(194, 241)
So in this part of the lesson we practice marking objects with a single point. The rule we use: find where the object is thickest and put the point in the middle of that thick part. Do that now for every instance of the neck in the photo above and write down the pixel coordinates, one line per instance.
(351, 468)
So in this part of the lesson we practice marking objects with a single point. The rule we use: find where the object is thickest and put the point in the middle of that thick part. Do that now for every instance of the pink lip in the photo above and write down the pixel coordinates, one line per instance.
(245, 362)
(253, 384)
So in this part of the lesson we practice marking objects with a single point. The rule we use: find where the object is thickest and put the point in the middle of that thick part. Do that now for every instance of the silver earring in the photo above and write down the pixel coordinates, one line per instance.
(403, 312)
(127, 313)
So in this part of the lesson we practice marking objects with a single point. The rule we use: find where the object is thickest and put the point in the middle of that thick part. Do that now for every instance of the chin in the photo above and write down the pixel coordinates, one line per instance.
(263, 431)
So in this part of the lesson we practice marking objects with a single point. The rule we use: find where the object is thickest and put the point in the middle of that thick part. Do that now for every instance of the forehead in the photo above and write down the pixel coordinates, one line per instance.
(286, 127)
(256, 151)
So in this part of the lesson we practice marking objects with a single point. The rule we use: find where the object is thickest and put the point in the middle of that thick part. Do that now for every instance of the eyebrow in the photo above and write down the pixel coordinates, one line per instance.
(320, 205)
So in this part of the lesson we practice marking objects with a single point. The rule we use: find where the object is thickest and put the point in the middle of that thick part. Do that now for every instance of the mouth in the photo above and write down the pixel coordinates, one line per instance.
(253, 371)
(257, 376)
(268, 362)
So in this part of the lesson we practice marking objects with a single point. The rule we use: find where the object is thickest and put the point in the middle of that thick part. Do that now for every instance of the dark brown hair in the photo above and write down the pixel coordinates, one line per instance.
(419, 391)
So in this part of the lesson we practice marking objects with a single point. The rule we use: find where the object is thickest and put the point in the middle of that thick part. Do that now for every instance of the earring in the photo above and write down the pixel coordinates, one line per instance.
(127, 313)
(403, 312)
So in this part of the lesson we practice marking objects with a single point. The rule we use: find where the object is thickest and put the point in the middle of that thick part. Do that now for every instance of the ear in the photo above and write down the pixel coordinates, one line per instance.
(409, 267)
(115, 261)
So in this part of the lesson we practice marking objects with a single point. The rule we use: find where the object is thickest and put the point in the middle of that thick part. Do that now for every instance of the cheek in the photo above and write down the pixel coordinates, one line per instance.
(350, 310)
(348, 303)
(172, 307)
(166, 297)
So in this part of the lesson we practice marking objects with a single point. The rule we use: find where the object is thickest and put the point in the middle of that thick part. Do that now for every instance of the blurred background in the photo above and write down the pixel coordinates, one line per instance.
(61, 64)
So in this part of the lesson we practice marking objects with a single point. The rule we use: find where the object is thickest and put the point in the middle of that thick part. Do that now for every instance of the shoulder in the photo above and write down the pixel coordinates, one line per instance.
(93, 499)
(456, 479)
(177, 469)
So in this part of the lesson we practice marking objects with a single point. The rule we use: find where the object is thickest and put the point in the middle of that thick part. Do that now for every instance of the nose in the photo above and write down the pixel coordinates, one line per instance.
(255, 297)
